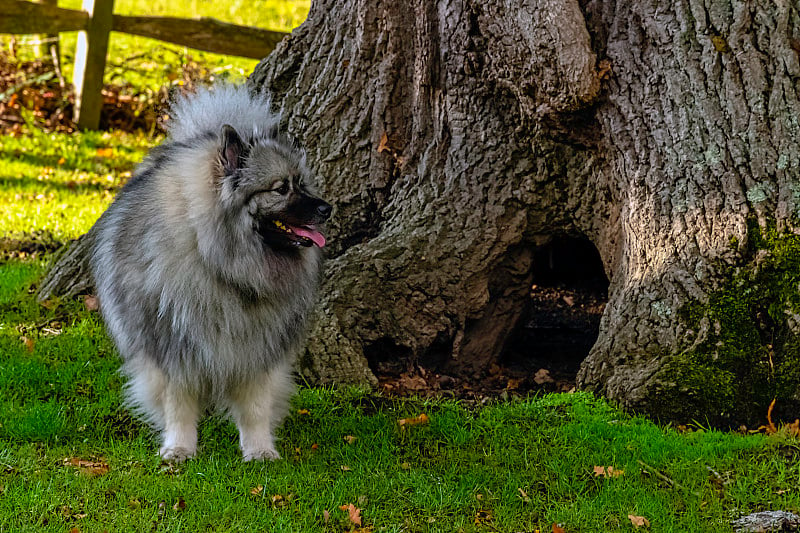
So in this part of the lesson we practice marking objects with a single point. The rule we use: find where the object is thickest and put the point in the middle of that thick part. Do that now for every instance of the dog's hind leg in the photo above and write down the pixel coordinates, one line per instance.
(258, 407)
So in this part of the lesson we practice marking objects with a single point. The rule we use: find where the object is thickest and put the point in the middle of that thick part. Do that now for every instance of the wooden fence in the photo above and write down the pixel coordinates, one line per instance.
(97, 20)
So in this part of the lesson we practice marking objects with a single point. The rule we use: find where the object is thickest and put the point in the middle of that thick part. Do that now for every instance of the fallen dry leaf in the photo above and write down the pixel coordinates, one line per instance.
(302, 412)
(482, 517)
(558, 529)
(638, 521)
(345, 468)
(771, 426)
(90, 468)
(514, 383)
(353, 513)
(255, 491)
(604, 69)
(542, 376)
(349, 439)
(414, 421)
(326, 516)
(105, 152)
(91, 302)
(180, 505)
(607, 471)
(384, 144)
(29, 343)
(524, 495)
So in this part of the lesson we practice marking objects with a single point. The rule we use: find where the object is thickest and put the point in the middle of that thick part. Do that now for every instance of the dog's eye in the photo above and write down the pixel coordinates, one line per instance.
(283, 188)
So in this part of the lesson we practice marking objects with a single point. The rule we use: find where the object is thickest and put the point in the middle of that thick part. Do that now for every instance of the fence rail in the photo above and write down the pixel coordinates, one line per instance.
(95, 22)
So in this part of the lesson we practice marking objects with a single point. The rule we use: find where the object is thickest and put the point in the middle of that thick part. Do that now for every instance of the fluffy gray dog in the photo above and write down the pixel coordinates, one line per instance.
(206, 266)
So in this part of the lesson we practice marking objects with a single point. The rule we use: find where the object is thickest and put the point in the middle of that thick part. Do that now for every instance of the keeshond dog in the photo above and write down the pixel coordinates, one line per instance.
(206, 266)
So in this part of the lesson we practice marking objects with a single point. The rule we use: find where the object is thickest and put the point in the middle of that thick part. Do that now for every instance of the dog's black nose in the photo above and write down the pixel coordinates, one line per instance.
(324, 210)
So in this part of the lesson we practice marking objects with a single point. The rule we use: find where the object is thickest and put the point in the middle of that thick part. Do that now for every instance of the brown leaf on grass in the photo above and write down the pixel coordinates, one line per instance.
(558, 529)
(91, 302)
(345, 468)
(349, 439)
(315, 446)
(303, 412)
(414, 421)
(483, 516)
(524, 495)
(607, 471)
(638, 521)
(29, 343)
(89, 468)
(326, 516)
(180, 505)
(105, 152)
(353, 513)
(793, 429)
(255, 491)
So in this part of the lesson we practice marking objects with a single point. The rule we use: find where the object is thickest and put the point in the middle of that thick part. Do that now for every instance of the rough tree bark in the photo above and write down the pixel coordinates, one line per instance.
(457, 136)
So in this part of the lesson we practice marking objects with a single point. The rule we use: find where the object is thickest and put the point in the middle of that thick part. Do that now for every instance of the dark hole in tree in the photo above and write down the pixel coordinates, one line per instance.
(387, 358)
(561, 320)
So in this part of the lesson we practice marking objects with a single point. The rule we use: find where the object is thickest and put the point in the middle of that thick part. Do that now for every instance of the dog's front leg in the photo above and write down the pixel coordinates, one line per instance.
(257, 407)
(181, 413)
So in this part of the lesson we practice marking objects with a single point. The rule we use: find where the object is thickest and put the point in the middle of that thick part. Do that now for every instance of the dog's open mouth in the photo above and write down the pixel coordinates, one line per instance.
(306, 235)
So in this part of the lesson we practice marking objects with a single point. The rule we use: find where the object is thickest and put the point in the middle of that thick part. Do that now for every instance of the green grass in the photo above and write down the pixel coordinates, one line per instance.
(61, 183)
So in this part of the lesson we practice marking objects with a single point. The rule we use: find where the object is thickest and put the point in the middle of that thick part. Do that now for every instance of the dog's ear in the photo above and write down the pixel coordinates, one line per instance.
(232, 152)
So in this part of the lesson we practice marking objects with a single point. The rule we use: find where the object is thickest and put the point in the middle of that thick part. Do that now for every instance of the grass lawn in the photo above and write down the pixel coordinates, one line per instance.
(72, 459)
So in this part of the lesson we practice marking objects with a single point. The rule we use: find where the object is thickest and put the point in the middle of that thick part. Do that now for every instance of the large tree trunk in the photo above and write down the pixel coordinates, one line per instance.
(457, 137)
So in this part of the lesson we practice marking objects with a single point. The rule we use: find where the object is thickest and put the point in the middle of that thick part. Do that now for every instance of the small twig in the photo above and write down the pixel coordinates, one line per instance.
(669, 480)
(57, 65)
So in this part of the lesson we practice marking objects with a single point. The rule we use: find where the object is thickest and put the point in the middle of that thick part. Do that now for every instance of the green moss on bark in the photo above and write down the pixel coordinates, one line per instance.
(750, 350)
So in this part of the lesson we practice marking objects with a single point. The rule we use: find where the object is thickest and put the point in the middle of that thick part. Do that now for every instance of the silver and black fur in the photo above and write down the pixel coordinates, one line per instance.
(206, 266)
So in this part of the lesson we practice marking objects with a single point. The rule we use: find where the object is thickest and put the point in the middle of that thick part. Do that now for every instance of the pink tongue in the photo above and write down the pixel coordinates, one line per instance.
(309, 233)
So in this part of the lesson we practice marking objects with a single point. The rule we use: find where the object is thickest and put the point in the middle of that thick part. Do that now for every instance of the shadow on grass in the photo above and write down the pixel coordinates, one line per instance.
(69, 185)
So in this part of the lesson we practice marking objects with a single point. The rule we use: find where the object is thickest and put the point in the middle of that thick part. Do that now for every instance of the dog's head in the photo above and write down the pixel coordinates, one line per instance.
(267, 175)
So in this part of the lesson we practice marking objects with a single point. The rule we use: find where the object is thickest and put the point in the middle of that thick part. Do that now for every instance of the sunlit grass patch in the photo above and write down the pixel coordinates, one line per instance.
(61, 183)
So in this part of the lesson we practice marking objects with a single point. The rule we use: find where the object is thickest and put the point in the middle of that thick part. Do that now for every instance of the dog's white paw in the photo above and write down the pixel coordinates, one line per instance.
(261, 454)
(176, 454)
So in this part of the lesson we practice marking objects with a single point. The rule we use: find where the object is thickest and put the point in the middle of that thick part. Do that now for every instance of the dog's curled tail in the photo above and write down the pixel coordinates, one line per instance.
(208, 109)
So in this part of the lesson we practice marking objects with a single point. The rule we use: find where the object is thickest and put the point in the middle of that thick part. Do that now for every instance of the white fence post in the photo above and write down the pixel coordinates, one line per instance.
(90, 63)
